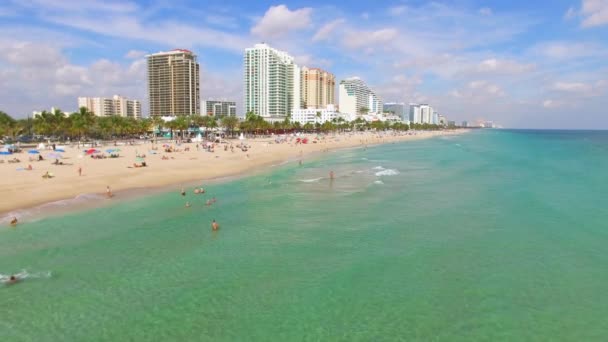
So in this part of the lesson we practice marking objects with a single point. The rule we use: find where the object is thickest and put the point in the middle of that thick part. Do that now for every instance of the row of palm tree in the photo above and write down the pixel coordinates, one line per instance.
(84, 124)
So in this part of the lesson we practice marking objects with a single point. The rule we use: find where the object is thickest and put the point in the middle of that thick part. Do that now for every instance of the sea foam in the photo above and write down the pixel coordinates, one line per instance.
(388, 172)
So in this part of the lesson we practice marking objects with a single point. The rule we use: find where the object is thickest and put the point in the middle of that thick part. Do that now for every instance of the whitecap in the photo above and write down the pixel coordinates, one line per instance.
(378, 168)
(378, 182)
(388, 172)
(310, 180)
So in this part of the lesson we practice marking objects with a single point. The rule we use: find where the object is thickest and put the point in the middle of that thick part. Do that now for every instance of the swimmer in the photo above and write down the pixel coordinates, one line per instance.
(208, 202)
(202, 190)
(108, 192)
(188, 205)
(183, 192)
(12, 280)
(215, 225)
(14, 221)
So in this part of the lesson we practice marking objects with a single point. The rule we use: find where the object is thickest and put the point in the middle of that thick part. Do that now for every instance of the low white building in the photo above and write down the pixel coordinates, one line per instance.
(314, 115)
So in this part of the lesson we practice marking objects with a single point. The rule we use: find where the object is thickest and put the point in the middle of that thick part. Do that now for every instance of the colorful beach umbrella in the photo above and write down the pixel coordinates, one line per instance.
(91, 151)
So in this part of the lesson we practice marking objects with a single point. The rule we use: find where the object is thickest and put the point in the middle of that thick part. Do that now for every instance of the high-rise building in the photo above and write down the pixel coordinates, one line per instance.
(357, 98)
(397, 109)
(415, 116)
(271, 82)
(173, 83)
(117, 105)
(317, 88)
(219, 108)
(465, 124)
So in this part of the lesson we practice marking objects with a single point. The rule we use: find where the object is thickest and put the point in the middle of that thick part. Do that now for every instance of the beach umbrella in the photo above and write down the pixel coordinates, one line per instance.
(53, 156)
(33, 152)
(91, 151)
(139, 160)
(59, 150)
(110, 150)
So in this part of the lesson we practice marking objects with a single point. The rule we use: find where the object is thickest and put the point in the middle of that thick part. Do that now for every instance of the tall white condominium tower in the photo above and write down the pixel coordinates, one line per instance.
(426, 114)
(357, 98)
(117, 105)
(272, 82)
(317, 87)
(415, 113)
(173, 83)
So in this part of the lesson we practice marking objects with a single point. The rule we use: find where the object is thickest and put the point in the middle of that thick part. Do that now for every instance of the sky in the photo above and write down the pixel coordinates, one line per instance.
(522, 64)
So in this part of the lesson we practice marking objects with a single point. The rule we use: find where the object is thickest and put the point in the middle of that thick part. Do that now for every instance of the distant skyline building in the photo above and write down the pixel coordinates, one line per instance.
(173, 83)
(314, 115)
(397, 109)
(218, 108)
(357, 98)
(317, 88)
(465, 124)
(271, 82)
(114, 106)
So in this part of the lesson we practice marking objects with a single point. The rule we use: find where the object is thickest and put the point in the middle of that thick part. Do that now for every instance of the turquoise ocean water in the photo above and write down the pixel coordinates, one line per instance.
(492, 235)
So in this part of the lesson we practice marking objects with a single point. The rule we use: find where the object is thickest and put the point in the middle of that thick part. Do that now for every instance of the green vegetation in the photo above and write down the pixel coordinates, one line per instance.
(84, 124)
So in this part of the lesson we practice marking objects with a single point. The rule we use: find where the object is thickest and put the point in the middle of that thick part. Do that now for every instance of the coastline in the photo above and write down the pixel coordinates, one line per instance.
(26, 191)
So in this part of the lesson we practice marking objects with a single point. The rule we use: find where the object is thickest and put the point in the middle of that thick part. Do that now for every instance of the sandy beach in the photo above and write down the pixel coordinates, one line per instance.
(22, 188)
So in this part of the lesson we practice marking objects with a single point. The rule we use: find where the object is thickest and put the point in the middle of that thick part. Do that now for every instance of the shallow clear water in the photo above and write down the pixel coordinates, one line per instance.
(493, 235)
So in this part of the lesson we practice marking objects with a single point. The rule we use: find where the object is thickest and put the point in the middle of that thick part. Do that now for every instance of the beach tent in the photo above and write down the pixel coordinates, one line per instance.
(5, 151)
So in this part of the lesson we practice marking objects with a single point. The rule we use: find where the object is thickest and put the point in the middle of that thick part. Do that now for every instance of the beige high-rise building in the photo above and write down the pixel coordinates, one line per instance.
(117, 105)
(317, 88)
(173, 83)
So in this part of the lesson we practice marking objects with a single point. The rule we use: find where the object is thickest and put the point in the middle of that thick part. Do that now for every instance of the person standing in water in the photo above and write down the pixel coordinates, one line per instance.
(14, 221)
(109, 192)
(215, 225)
(183, 192)
(331, 175)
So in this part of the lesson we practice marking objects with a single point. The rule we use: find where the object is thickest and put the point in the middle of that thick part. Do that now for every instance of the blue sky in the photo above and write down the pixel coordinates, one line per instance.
(520, 63)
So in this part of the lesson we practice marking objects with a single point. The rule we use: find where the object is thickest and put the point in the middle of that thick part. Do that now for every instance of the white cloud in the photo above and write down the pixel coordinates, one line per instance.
(39, 83)
(550, 104)
(326, 30)
(485, 11)
(135, 54)
(595, 13)
(358, 38)
(95, 6)
(279, 21)
(503, 66)
(312, 61)
(576, 87)
(171, 33)
(222, 21)
(397, 10)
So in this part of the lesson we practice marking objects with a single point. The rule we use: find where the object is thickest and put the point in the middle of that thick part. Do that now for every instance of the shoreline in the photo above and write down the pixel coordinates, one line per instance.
(33, 197)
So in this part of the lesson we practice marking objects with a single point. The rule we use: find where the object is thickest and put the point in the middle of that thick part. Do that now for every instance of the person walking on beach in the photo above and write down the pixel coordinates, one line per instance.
(80, 171)
(215, 225)
(108, 192)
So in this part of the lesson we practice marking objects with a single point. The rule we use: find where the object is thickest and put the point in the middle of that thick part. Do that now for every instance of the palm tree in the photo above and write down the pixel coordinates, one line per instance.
(230, 123)
(182, 123)
(81, 121)
(8, 125)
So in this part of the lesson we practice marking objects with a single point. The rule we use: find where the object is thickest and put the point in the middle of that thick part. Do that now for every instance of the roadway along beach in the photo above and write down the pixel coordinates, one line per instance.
(23, 188)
